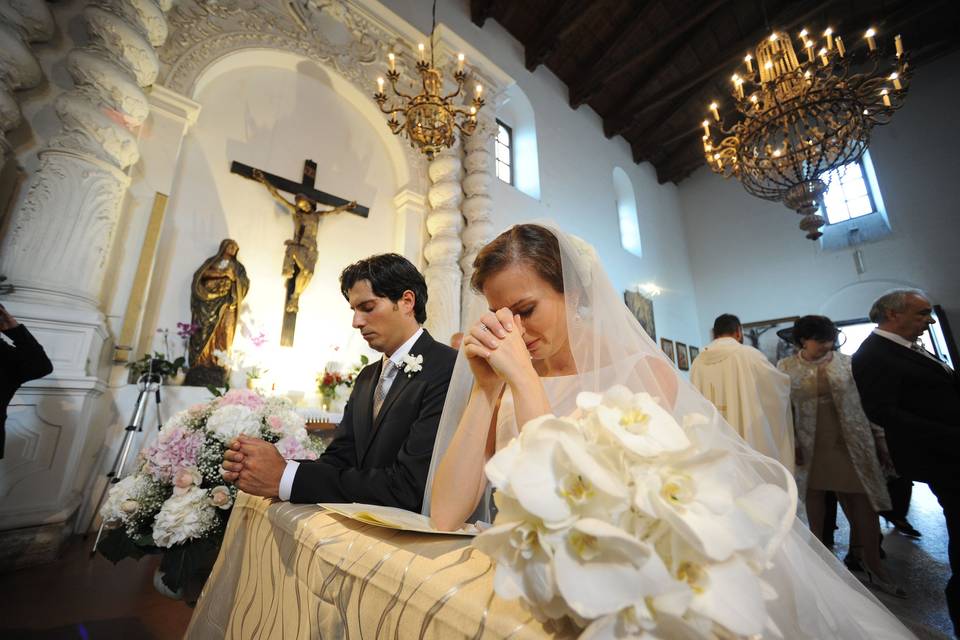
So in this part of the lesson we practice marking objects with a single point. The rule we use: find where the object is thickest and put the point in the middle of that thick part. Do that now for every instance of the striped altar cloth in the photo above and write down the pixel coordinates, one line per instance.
(294, 571)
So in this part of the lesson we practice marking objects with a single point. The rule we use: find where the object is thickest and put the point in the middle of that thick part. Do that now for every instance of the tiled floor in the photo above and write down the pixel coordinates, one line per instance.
(919, 566)
(80, 597)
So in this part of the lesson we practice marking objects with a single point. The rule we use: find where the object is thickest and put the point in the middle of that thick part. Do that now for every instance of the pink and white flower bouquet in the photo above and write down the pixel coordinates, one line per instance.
(176, 502)
(629, 524)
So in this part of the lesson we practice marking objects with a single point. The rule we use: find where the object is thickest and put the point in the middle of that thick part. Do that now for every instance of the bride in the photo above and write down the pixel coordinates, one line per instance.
(556, 327)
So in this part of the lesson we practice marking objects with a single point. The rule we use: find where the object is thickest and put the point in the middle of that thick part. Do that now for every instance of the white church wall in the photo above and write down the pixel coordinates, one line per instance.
(576, 189)
(749, 258)
(273, 116)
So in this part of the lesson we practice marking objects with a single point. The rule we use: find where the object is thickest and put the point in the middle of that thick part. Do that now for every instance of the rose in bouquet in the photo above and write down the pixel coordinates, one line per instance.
(627, 523)
(176, 502)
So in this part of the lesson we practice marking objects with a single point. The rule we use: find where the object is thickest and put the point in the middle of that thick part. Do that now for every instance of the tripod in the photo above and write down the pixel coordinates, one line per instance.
(148, 383)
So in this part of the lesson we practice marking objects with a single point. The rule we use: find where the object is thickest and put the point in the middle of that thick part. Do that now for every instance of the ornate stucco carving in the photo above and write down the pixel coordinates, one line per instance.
(442, 251)
(21, 22)
(478, 205)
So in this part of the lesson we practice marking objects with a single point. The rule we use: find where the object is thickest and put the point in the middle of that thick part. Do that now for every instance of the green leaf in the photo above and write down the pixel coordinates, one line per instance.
(115, 545)
(216, 392)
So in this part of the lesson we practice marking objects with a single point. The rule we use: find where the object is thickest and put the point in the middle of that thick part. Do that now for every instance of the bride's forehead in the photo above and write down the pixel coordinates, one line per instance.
(513, 284)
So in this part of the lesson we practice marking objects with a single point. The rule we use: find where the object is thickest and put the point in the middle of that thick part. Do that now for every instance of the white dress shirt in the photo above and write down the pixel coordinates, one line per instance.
(903, 342)
(290, 471)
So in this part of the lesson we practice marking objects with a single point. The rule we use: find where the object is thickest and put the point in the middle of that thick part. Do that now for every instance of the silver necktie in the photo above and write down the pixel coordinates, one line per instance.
(386, 374)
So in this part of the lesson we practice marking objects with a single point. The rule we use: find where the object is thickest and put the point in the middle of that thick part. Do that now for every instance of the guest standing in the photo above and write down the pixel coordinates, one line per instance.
(916, 399)
(749, 391)
(838, 449)
(24, 360)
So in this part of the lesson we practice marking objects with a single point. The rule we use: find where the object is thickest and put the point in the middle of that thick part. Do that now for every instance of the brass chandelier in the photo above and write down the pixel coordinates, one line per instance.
(801, 119)
(430, 119)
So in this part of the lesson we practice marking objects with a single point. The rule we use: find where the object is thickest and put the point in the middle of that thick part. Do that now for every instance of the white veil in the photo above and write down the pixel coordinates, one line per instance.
(816, 596)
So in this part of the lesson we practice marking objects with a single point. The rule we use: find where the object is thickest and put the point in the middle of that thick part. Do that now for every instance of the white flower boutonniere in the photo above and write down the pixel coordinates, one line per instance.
(412, 364)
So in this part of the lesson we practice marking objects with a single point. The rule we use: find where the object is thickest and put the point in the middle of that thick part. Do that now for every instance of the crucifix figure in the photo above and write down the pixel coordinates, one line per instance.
(300, 257)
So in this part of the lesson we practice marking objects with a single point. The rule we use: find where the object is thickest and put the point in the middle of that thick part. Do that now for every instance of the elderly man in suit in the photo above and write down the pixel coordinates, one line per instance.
(916, 399)
(381, 451)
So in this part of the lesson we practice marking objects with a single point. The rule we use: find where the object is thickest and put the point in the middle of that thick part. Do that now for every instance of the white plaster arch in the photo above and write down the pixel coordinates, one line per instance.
(281, 59)
(854, 300)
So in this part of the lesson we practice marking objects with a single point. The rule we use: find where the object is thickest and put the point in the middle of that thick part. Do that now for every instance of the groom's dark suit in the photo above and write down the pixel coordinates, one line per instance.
(383, 460)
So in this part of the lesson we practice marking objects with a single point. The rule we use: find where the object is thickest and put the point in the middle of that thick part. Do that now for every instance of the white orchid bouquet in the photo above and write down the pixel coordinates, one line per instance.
(176, 502)
(627, 523)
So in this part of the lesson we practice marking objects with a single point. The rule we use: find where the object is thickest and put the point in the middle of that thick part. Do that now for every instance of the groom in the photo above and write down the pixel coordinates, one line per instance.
(381, 451)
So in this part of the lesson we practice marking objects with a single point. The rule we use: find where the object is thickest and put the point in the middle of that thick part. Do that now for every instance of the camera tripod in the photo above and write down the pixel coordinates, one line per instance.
(148, 384)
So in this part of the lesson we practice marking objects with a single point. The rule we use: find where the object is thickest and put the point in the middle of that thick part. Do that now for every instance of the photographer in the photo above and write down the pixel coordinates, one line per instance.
(20, 362)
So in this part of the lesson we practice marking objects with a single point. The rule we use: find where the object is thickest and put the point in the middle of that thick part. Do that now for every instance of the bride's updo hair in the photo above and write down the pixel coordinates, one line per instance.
(528, 244)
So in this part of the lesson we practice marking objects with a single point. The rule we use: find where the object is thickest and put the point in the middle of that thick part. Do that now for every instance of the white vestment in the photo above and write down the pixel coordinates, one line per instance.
(751, 393)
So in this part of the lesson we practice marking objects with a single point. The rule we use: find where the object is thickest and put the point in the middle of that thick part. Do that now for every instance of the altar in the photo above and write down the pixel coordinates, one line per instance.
(296, 571)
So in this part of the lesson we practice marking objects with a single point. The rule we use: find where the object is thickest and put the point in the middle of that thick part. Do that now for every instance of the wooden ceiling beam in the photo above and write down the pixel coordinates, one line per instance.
(607, 68)
(480, 10)
(641, 104)
(564, 21)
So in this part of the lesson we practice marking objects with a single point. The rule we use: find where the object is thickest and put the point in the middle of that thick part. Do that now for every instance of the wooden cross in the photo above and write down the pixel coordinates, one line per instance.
(304, 190)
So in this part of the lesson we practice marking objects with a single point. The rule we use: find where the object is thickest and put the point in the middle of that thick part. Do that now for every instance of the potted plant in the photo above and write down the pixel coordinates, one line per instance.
(254, 373)
(156, 364)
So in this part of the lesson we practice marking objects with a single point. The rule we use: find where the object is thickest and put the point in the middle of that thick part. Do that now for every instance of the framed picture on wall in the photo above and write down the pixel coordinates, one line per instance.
(683, 357)
(667, 346)
(763, 335)
(642, 309)
(694, 352)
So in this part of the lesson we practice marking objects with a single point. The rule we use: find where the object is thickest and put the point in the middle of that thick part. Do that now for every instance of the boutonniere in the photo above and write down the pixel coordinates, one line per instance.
(412, 364)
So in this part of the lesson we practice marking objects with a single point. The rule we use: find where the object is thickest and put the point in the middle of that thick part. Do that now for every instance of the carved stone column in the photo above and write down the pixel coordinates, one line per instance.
(21, 22)
(55, 252)
(442, 251)
(477, 207)
(60, 236)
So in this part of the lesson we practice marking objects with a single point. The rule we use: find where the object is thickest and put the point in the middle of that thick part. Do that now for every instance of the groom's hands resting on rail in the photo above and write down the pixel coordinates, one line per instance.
(254, 466)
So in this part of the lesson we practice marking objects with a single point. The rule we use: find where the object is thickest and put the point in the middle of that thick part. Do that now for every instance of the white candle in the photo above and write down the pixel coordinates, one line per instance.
(392, 60)
(871, 41)
(478, 91)
(379, 85)
(422, 51)
(715, 111)
(748, 60)
(829, 35)
(460, 59)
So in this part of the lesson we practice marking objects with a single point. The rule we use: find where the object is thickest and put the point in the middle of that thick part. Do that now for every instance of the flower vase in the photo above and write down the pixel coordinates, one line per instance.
(252, 384)
(179, 378)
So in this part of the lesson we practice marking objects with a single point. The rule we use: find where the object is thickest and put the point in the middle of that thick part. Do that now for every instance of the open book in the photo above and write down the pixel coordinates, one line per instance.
(393, 518)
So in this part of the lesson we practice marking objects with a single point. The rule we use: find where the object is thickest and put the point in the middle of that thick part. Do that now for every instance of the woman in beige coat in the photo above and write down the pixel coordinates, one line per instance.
(838, 449)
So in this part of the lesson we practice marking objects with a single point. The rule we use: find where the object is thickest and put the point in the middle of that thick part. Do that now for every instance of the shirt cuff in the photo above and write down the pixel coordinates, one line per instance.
(286, 480)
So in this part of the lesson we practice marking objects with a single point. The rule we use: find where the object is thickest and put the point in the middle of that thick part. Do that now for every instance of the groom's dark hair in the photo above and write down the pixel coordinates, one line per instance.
(389, 274)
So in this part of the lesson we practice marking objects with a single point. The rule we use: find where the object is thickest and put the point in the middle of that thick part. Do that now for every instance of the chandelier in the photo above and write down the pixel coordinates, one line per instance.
(430, 119)
(801, 119)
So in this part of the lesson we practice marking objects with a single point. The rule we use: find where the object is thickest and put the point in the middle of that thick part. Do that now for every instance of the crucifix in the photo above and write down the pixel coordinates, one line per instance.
(300, 257)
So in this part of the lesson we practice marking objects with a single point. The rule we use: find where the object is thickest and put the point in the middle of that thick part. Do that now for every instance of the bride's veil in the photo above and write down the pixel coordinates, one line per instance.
(816, 596)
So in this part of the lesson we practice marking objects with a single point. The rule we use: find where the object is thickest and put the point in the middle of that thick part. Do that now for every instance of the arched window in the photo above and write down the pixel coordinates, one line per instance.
(627, 213)
(504, 152)
(515, 115)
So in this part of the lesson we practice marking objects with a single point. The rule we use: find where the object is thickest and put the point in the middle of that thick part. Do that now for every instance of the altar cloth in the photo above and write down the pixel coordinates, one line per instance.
(297, 571)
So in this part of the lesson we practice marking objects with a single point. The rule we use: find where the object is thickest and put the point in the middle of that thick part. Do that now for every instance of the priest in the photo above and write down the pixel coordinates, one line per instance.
(747, 389)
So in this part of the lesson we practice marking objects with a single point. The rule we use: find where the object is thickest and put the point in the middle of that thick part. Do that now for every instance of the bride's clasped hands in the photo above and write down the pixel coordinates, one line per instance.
(497, 352)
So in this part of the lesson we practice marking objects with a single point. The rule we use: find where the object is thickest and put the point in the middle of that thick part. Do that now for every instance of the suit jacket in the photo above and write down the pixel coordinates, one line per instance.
(917, 402)
(23, 361)
(383, 460)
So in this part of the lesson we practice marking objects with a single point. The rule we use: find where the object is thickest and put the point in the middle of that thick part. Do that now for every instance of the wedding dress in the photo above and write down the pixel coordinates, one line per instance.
(816, 597)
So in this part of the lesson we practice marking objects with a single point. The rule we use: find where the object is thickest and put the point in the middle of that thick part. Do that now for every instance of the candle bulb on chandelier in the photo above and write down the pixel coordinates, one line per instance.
(738, 85)
(460, 59)
(840, 48)
(803, 34)
(871, 40)
(422, 52)
(886, 97)
(706, 129)
(823, 56)
(895, 78)
(714, 109)
(829, 35)
(898, 43)
(379, 85)
(808, 45)
(748, 60)
(392, 61)
(478, 91)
